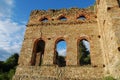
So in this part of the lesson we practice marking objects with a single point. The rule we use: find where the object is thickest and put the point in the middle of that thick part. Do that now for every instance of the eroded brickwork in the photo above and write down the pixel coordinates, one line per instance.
(100, 27)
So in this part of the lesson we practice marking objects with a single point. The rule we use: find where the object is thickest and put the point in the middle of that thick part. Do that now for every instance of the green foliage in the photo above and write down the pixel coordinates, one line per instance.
(7, 68)
(1, 76)
(1, 66)
(4, 76)
(87, 59)
(12, 61)
(11, 73)
(108, 78)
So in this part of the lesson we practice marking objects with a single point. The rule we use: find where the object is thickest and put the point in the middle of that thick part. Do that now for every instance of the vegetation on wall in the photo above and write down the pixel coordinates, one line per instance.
(8, 67)
(109, 78)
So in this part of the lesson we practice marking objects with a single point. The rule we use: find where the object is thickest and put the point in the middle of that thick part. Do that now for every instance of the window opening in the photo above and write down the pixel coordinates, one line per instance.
(38, 53)
(44, 20)
(60, 53)
(63, 19)
(81, 18)
(84, 53)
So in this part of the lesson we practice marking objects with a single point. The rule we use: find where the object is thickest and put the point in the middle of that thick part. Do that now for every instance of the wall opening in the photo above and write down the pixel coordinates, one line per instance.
(82, 17)
(119, 49)
(63, 18)
(38, 52)
(84, 52)
(44, 20)
(60, 53)
(108, 8)
(99, 36)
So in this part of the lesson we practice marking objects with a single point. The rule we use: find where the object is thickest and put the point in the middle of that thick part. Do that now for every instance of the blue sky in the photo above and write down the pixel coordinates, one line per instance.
(61, 48)
(14, 15)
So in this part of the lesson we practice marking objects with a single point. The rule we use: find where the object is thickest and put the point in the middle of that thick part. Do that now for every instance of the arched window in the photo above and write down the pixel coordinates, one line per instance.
(81, 17)
(63, 18)
(38, 52)
(44, 20)
(60, 53)
(84, 52)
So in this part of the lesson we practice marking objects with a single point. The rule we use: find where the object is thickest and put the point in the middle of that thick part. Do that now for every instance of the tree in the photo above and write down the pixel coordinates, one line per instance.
(8, 67)
(84, 55)
(11, 62)
(11, 73)
(1, 66)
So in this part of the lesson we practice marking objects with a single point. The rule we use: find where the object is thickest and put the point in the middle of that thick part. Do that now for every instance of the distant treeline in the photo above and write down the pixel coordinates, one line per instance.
(8, 67)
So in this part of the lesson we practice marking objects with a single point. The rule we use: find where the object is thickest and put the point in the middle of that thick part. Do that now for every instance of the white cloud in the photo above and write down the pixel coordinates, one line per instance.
(62, 52)
(11, 36)
(11, 33)
(86, 44)
(9, 2)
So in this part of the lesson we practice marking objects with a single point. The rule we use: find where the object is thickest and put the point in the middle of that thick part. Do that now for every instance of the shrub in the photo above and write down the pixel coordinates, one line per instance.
(108, 78)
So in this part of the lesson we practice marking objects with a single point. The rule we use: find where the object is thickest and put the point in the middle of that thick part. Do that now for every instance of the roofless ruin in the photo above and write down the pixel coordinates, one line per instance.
(39, 59)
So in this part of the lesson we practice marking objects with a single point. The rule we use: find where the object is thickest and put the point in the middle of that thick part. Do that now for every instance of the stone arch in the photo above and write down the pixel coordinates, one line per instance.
(58, 59)
(84, 37)
(38, 52)
(83, 54)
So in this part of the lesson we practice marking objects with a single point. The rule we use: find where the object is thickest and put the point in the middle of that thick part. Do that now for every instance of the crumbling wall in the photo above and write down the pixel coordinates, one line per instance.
(71, 30)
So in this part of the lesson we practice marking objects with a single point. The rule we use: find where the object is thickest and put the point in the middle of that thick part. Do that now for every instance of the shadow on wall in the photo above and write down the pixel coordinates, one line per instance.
(118, 2)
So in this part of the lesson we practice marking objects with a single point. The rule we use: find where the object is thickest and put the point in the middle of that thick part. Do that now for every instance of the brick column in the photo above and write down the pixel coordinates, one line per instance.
(96, 53)
(71, 56)
(49, 52)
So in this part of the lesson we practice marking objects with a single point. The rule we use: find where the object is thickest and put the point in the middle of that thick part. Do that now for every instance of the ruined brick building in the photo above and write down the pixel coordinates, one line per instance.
(101, 27)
